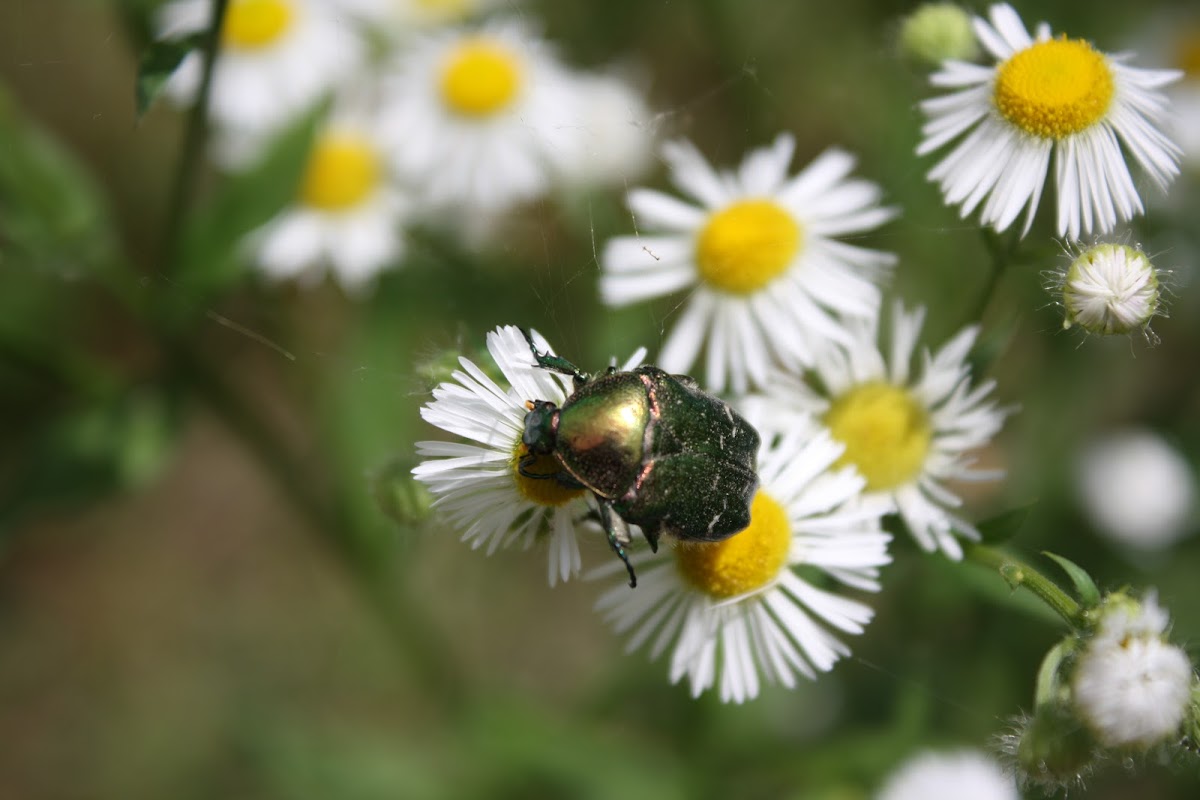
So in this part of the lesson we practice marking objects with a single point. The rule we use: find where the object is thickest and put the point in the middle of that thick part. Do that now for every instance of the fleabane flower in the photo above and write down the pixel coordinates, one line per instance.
(1047, 97)
(474, 115)
(347, 214)
(1109, 289)
(749, 608)
(1130, 685)
(905, 433)
(276, 58)
(478, 486)
(941, 776)
(759, 254)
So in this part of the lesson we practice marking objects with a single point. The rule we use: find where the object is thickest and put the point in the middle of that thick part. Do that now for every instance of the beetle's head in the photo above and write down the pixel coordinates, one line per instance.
(541, 427)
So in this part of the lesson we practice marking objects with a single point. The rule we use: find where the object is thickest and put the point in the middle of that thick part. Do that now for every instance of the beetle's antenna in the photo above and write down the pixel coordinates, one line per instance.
(523, 468)
(556, 363)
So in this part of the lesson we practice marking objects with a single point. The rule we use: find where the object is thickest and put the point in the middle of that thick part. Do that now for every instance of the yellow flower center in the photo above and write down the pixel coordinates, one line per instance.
(480, 78)
(886, 433)
(1187, 55)
(543, 491)
(343, 170)
(744, 562)
(250, 24)
(1054, 88)
(746, 246)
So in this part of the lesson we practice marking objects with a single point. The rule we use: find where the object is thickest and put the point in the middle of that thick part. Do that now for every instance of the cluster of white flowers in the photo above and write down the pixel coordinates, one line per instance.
(440, 114)
(785, 315)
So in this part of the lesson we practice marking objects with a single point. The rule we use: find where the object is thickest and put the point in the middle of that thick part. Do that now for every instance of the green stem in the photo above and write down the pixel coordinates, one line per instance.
(420, 642)
(1017, 573)
(188, 167)
(1002, 251)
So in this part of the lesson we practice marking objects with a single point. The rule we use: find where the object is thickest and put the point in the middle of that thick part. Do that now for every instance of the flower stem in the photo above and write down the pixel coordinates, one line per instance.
(195, 133)
(1017, 573)
(1002, 251)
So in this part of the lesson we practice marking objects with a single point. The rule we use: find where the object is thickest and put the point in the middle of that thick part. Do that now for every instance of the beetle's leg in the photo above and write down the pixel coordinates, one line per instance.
(652, 535)
(556, 363)
(618, 536)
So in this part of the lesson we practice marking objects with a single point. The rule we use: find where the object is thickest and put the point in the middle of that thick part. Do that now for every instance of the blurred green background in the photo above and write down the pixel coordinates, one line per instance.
(181, 617)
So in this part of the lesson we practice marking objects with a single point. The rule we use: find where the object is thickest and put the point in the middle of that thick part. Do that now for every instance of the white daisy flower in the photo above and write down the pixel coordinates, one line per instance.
(1047, 96)
(949, 776)
(276, 58)
(408, 16)
(478, 487)
(906, 434)
(1109, 289)
(1137, 489)
(751, 606)
(759, 254)
(474, 115)
(347, 215)
(1130, 685)
(616, 132)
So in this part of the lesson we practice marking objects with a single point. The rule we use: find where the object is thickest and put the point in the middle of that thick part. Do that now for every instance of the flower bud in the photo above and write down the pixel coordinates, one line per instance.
(936, 32)
(1110, 288)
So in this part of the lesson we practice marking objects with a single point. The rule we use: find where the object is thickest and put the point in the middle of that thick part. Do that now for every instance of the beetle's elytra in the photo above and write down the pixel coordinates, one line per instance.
(653, 448)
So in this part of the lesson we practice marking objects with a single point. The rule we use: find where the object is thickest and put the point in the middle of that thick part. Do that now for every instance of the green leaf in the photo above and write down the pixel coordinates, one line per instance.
(1004, 526)
(211, 258)
(158, 62)
(1085, 587)
(52, 215)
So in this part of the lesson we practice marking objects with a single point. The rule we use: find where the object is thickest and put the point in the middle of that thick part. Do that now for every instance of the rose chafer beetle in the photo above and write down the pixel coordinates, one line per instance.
(653, 448)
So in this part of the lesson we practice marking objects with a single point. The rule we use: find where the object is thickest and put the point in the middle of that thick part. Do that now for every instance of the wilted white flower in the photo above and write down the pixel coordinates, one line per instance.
(1047, 96)
(1131, 686)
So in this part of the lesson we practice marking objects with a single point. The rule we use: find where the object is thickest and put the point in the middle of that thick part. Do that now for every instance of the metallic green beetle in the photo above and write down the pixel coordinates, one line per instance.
(653, 448)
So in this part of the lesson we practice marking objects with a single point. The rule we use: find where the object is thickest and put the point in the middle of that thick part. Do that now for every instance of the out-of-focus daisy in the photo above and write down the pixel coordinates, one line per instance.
(1130, 685)
(949, 776)
(1047, 96)
(1108, 289)
(616, 131)
(906, 434)
(478, 486)
(276, 58)
(402, 17)
(754, 605)
(1137, 489)
(768, 278)
(474, 114)
(347, 215)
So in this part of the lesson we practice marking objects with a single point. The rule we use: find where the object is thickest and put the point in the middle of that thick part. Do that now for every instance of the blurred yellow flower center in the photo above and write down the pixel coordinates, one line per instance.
(343, 170)
(886, 433)
(747, 245)
(250, 24)
(480, 78)
(1054, 88)
(1187, 56)
(744, 562)
(543, 491)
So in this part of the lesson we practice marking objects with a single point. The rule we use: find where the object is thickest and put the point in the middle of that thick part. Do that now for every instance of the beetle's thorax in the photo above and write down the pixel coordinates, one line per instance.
(541, 428)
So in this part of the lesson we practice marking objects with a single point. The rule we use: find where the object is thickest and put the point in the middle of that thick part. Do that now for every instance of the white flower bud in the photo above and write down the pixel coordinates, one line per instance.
(968, 773)
(1109, 288)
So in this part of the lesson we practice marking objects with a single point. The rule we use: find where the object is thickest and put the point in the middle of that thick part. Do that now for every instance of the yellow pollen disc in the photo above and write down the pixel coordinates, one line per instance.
(744, 562)
(250, 24)
(343, 170)
(1054, 88)
(480, 78)
(886, 433)
(747, 245)
(543, 491)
